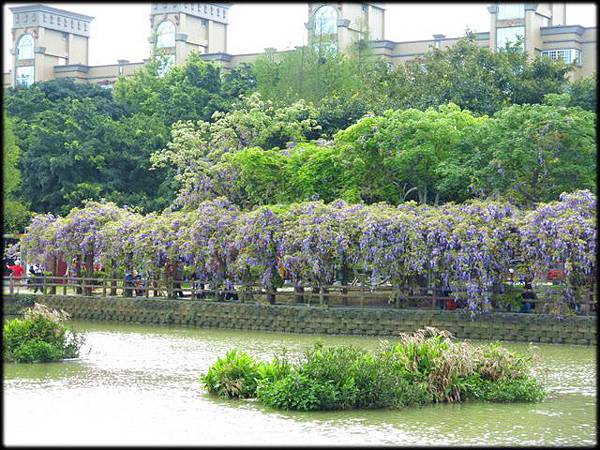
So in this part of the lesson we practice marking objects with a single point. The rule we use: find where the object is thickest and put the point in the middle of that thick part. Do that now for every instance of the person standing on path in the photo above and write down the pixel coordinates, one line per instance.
(17, 273)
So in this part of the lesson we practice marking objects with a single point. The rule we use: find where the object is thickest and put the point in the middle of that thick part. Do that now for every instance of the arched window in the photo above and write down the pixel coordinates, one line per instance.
(325, 30)
(325, 20)
(165, 34)
(25, 47)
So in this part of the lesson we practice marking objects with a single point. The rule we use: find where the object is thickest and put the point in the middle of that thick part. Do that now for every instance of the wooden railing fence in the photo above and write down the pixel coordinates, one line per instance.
(330, 295)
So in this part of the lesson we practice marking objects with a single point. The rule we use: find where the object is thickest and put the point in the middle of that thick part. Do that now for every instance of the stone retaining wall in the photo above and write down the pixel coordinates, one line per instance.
(323, 320)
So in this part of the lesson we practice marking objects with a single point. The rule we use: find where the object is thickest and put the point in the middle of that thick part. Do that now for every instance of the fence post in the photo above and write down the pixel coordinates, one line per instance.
(44, 287)
(169, 288)
(65, 280)
(11, 284)
(103, 287)
(299, 290)
(53, 270)
(113, 275)
(271, 295)
(155, 284)
(362, 294)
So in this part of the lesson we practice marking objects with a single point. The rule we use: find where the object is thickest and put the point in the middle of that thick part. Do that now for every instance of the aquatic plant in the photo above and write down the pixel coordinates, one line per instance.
(40, 336)
(427, 366)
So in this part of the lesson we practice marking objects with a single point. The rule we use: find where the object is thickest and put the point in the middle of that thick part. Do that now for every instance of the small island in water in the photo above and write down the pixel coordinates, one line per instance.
(424, 367)
(40, 336)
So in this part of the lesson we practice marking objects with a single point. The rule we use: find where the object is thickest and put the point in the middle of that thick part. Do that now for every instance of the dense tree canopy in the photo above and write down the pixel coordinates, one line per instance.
(453, 124)
(80, 141)
(525, 153)
(533, 153)
(14, 211)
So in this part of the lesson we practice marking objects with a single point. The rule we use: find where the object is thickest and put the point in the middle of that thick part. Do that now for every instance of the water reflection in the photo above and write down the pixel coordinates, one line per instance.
(137, 384)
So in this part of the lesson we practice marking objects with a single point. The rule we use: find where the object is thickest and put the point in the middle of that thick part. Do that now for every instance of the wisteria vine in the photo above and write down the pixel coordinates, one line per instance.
(467, 249)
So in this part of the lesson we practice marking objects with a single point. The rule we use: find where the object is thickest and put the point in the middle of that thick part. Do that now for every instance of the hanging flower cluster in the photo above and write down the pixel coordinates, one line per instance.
(467, 249)
(562, 231)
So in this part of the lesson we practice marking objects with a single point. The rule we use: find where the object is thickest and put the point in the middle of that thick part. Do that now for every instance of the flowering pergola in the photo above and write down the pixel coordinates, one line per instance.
(467, 249)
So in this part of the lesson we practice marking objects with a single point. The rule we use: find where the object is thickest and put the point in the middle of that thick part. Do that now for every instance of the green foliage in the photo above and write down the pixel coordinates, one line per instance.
(583, 93)
(419, 151)
(505, 390)
(15, 214)
(79, 143)
(533, 153)
(525, 153)
(37, 351)
(205, 153)
(234, 376)
(424, 367)
(190, 91)
(345, 87)
(40, 337)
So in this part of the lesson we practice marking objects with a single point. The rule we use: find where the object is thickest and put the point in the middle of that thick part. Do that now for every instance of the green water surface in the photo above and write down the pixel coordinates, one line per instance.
(138, 385)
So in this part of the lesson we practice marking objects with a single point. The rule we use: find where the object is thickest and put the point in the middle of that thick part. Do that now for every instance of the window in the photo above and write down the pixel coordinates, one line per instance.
(510, 34)
(25, 47)
(568, 55)
(325, 20)
(166, 62)
(510, 11)
(25, 76)
(165, 34)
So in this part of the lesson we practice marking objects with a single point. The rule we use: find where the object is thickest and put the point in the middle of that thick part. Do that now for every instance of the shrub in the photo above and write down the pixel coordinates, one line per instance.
(505, 390)
(37, 351)
(423, 367)
(298, 392)
(234, 376)
(40, 336)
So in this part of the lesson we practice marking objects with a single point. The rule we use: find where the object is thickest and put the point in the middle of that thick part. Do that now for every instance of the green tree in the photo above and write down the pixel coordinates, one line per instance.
(196, 149)
(583, 93)
(191, 91)
(533, 153)
(416, 154)
(75, 150)
(15, 213)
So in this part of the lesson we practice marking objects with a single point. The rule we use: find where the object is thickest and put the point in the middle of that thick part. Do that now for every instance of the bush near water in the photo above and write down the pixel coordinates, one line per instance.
(424, 367)
(41, 336)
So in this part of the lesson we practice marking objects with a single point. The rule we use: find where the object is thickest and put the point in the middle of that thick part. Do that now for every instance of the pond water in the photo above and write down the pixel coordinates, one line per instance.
(138, 385)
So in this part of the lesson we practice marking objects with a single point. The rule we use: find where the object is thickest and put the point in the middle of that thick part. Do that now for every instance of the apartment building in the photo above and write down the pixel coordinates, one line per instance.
(50, 43)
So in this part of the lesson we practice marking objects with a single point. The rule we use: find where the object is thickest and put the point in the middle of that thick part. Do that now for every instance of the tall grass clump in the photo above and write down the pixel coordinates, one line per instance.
(40, 336)
(423, 367)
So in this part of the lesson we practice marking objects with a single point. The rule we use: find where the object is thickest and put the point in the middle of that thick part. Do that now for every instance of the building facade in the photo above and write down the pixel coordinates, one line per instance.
(50, 43)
